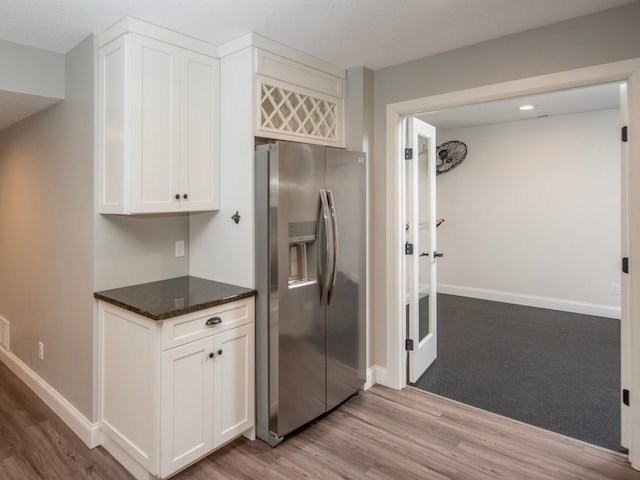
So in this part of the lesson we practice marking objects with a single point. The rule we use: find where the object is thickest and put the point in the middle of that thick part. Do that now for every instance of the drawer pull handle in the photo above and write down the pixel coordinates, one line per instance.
(214, 321)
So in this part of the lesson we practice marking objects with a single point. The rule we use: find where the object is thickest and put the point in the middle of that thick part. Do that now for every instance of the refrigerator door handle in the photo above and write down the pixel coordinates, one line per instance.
(324, 218)
(334, 234)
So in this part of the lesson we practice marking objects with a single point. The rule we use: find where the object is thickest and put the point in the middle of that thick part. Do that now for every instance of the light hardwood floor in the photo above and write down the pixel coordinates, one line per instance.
(378, 434)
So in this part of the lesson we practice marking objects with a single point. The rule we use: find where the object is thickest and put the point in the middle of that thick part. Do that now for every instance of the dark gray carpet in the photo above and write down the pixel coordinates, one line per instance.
(556, 370)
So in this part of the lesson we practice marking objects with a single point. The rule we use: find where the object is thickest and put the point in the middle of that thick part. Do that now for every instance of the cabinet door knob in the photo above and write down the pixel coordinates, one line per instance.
(214, 321)
(220, 352)
(211, 355)
(185, 196)
(177, 196)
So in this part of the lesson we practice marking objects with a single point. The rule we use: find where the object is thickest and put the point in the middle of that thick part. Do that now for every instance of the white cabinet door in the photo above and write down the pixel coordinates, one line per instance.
(186, 410)
(207, 396)
(234, 397)
(199, 127)
(159, 128)
(155, 121)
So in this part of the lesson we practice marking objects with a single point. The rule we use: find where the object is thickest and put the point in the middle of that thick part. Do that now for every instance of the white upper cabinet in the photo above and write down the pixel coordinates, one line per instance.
(296, 101)
(159, 127)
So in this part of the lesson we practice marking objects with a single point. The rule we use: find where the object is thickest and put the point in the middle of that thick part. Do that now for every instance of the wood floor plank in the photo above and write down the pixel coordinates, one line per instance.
(416, 435)
(19, 467)
(377, 435)
(36, 444)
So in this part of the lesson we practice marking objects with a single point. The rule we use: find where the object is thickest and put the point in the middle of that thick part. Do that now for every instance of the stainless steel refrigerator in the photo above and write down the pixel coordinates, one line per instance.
(311, 282)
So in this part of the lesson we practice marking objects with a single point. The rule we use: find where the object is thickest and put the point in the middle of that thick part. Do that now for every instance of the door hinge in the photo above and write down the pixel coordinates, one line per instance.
(408, 248)
(408, 153)
(625, 397)
(624, 133)
(625, 264)
(408, 344)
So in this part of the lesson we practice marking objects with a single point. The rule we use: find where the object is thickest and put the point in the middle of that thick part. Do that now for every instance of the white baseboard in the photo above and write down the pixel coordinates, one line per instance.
(533, 301)
(88, 432)
(370, 379)
(380, 375)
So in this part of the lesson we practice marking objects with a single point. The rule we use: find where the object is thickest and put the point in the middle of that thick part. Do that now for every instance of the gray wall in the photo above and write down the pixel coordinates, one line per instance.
(359, 136)
(604, 37)
(138, 249)
(30, 81)
(31, 70)
(359, 109)
(525, 212)
(46, 208)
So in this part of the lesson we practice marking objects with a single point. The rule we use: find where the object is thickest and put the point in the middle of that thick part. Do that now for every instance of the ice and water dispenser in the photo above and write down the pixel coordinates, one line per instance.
(302, 253)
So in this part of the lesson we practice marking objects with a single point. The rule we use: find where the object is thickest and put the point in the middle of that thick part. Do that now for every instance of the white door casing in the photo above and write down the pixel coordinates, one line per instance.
(625, 327)
(420, 230)
(631, 354)
(394, 374)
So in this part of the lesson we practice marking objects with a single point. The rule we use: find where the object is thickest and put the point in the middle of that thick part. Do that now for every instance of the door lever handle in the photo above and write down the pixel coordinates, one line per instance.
(437, 254)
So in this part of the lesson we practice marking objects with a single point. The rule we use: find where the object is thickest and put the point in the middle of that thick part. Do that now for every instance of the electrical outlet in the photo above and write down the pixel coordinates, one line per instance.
(4, 333)
(41, 350)
(615, 289)
(179, 248)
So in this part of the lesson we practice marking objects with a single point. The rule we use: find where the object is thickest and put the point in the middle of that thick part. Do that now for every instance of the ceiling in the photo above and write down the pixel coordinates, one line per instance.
(563, 102)
(347, 33)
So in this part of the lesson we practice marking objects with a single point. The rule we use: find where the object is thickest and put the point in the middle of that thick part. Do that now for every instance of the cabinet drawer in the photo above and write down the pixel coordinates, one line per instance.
(190, 327)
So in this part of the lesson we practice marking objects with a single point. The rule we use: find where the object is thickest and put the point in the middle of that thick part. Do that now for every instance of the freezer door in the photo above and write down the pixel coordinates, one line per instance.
(346, 313)
(297, 323)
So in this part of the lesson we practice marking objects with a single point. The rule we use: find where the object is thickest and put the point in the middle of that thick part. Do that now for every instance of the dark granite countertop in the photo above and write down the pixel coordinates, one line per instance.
(176, 296)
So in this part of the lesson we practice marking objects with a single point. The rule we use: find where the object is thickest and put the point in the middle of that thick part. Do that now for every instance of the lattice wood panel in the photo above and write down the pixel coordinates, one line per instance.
(290, 112)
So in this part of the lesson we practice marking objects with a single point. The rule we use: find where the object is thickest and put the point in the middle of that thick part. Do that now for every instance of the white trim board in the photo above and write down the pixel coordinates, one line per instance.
(550, 303)
(376, 375)
(370, 378)
(88, 432)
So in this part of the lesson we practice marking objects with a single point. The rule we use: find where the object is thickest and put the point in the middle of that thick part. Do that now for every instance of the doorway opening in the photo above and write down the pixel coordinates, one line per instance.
(538, 195)
(393, 373)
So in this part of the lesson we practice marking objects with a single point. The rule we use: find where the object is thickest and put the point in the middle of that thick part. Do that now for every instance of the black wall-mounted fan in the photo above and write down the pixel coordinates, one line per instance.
(450, 155)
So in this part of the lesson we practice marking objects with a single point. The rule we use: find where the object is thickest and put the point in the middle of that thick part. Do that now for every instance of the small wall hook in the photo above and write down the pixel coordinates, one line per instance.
(235, 217)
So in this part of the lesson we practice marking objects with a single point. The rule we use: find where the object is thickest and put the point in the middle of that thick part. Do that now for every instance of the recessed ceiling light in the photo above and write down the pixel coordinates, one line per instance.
(525, 107)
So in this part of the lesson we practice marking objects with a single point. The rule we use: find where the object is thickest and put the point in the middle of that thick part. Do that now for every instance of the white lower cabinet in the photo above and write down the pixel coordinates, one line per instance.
(206, 400)
(173, 391)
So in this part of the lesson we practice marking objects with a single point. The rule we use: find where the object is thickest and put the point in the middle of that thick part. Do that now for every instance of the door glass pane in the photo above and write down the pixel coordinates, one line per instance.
(425, 252)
